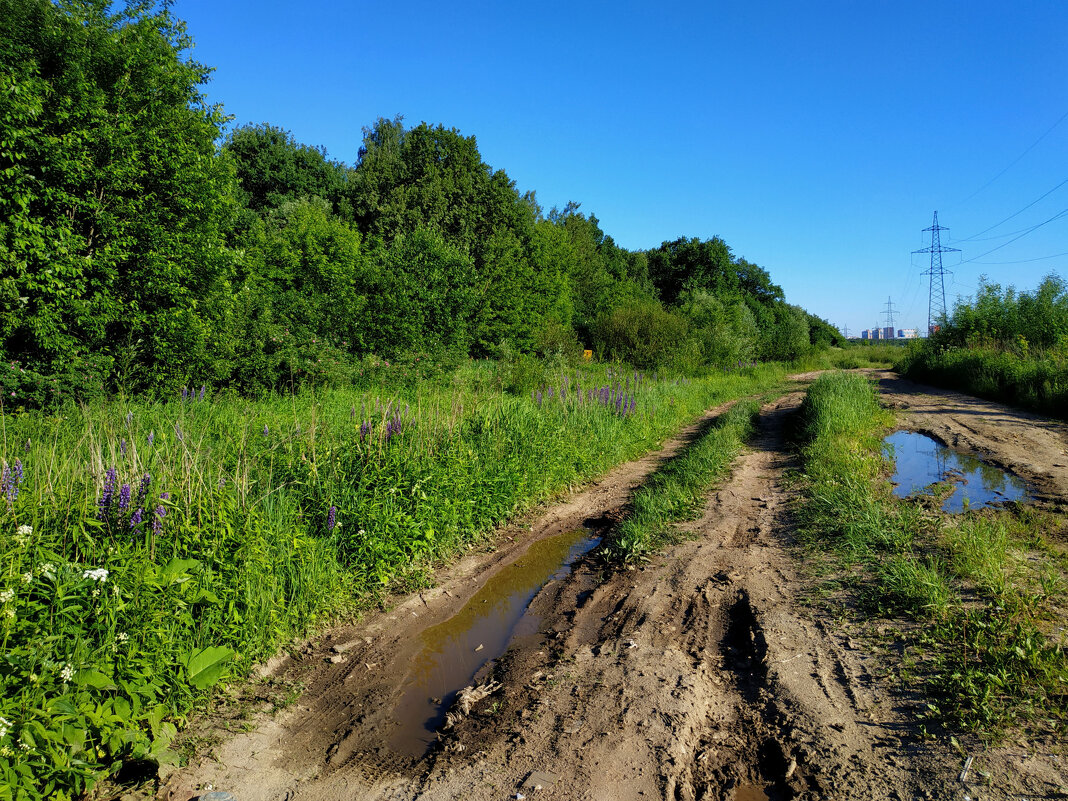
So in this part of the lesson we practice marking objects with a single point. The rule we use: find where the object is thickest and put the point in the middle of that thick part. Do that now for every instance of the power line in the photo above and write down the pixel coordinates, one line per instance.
(1023, 261)
(1017, 159)
(1056, 216)
(1016, 214)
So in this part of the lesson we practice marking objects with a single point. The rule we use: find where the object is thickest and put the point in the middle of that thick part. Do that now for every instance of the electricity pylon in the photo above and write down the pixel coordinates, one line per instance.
(936, 304)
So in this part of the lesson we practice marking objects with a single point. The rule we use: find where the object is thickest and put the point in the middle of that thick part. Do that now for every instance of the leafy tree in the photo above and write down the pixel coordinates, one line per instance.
(725, 327)
(646, 335)
(272, 167)
(112, 200)
(785, 334)
(424, 298)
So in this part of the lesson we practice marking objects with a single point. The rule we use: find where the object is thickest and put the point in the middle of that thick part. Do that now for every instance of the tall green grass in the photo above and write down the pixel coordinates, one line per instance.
(260, 519)
(984, 584)
(1034, 379)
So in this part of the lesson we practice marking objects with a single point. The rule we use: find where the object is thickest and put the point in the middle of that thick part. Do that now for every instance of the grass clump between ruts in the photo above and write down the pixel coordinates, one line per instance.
(677, 491)
(985, 586)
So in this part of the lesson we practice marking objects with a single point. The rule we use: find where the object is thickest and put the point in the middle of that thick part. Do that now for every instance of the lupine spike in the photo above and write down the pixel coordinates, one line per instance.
(108, 495)
(124, 497)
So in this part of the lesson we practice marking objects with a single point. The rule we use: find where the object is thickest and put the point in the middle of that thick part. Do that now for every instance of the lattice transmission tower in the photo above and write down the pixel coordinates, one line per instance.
(936, 305)
(890, 317)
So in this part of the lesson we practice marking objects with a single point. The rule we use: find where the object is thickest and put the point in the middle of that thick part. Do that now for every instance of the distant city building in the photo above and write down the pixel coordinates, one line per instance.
(888, 333)
(865, 334)
(908, 333)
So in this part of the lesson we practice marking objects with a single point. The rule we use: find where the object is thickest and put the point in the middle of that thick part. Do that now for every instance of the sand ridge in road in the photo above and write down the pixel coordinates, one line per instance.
(696, 676)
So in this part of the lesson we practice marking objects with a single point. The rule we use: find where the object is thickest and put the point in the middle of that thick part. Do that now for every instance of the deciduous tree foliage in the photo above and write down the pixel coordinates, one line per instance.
(112, 200)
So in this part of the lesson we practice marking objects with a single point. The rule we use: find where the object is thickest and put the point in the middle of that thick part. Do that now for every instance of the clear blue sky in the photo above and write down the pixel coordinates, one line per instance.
(816, 138)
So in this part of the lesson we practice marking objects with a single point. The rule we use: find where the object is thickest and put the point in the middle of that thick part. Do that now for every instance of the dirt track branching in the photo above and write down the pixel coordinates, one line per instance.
(986, 586)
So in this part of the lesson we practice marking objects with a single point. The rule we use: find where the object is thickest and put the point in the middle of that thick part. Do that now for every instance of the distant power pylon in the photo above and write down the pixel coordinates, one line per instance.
(845, 331)
(936, 305)
(890, 316)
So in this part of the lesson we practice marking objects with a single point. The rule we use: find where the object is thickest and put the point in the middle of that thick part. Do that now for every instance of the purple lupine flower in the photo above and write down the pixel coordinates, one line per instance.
(265, 431)
(178, 432)
(331, 518)
(222, 481)
(538, 398)
(106, 497)
(185, 394)
(365, 429)
(27, 448)
(7, 481)
(142, 489)
(550, 393)
(129, 419)
(203, 389)
(135, 518)
(124, 497)
(151, 438)
(122, 447)
(157, 520)
(352, 412)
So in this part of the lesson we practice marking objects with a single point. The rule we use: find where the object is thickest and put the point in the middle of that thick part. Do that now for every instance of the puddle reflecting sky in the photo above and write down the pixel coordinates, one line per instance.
(921, 461)
(448, 661)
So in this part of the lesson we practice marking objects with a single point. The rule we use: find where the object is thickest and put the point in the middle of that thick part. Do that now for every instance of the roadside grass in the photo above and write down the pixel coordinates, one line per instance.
(986, 586)
(1032, 378)
(676, 492)
(150, 552)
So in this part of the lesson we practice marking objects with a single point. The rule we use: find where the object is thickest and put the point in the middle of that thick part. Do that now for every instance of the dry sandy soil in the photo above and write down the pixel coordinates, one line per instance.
(702, 674)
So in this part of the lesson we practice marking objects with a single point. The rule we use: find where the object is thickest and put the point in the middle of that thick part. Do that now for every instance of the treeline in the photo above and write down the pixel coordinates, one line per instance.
(1004, 345)
(141, 250)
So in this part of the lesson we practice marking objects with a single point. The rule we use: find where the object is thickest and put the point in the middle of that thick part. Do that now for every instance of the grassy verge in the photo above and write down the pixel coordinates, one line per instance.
(985, 586)
(677, 491)
(149, 552)
(1036, 380)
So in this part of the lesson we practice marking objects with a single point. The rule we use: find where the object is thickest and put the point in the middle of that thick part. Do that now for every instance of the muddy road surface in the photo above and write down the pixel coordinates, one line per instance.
(702, 674)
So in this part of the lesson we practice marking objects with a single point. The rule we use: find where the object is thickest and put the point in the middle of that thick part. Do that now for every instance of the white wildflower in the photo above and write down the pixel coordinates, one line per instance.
(96, 574)
(48, 569)
(9, 613)
(24, 531)
(67, 673)
(6, 595)
(5, 727)
(122, 636)
(96, 593)
(27, 577)
(115, 589)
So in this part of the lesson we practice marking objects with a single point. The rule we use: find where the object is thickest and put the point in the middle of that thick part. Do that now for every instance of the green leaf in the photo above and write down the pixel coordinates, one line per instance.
(205, 666)
(177, 571)
(91, 677)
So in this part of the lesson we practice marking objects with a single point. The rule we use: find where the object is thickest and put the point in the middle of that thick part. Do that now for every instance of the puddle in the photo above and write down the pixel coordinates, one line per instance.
(921, 461)
(750, 792)
(451, 656)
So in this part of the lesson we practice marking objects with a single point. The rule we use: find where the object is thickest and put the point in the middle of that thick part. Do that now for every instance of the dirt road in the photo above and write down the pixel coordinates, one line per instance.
(700, 675)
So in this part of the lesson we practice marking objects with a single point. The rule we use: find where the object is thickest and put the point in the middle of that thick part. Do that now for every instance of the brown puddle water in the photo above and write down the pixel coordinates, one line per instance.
(451, 656)
(750, 792)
